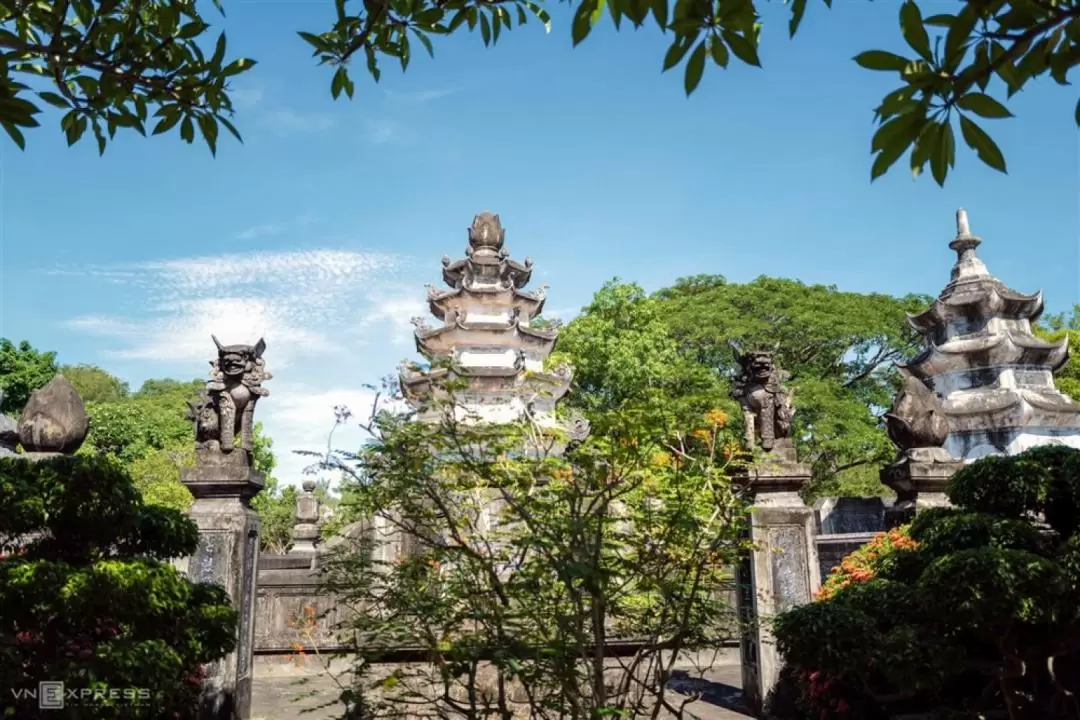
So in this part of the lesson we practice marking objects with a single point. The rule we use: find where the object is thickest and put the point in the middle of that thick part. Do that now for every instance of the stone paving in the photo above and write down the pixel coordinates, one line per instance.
(284, 697)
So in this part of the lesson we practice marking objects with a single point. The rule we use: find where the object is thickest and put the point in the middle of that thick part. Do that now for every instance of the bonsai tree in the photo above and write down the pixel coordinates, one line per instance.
(88, 598)
(980, 613)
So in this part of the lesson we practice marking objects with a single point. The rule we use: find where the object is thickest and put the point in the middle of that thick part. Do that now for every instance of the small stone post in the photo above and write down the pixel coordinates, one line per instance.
(781, 569)
(223, 482)
(306, 530)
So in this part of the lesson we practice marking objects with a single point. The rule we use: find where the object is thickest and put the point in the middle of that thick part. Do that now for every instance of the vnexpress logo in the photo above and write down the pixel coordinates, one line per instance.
(51, 695)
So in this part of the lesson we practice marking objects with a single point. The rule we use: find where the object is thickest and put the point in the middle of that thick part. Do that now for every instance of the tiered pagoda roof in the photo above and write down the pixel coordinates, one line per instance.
(485, 337)
(983, 359)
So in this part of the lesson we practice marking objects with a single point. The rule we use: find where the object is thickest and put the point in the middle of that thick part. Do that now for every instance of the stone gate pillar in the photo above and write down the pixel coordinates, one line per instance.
(223, 482)
(779, 573)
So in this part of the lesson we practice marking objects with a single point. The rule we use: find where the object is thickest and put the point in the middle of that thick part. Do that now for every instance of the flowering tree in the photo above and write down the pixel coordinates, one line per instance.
(516, 570)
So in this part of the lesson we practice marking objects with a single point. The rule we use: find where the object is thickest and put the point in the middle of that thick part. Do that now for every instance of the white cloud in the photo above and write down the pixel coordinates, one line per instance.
(258, 231)
(246, 97)
(330, 319)
(381, 131)
(289, 122)
(421, 96)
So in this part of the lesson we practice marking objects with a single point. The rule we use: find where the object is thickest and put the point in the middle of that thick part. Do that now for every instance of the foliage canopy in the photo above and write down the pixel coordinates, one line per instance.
(980, 613)
(87, 593)
(150, 66)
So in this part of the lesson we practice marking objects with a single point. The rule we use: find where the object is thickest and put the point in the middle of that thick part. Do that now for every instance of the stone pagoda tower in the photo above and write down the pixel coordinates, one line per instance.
(486, 340)
(994, 376)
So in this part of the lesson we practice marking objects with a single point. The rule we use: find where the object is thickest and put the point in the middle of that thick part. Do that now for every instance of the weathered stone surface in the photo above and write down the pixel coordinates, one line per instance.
(9, 434)
(305, 532)
(919, 481)
(781, 571)
(993, 374)
(916, 418)
(850, 515)
(54, 420)
(767, 405)
(225, 411)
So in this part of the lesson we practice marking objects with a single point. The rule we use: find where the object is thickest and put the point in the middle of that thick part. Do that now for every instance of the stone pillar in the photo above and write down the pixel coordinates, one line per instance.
(780, 572)
(227, 555)
(223, 482)
(306, 530)
(919, 477)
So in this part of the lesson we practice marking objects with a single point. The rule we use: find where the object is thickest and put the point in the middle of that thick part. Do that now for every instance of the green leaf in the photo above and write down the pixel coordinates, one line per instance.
(983, 106)
(100, 137)
(902, 127)
(798, 9)
(485, 28)
(925, 145)
(192, 30)
(209, 129)
(167, 123)
(939, 20)
(911, 25)
(676, 52)
(230, 127)
(881, 60)
(944, 147)
(741, 48)
(54, 99)
(582, 25)
(719, 52)
(1076, 113)
(238, 66)
(219, 52)
(956, 39)
(694, 68)
(187, 130)
(17, 137)
(982, 144)
(426, 42)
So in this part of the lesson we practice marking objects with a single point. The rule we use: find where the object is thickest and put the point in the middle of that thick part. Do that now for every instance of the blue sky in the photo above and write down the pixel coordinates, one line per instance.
(322, 228)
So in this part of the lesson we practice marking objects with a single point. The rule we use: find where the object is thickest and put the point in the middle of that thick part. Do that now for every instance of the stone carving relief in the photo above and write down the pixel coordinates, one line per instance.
(767, 404)
(224, 414)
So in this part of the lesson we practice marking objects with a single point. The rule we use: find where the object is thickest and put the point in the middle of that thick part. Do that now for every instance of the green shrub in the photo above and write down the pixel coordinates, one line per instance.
(981, 612)
(88, 598)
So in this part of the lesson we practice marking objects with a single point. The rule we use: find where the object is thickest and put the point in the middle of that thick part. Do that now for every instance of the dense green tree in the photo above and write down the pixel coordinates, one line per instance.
(839, 348)
(118, 64)
(981, 613)
(95, 385)
(1055, 327)
(626, 360)
(88, 595)
(22, 370)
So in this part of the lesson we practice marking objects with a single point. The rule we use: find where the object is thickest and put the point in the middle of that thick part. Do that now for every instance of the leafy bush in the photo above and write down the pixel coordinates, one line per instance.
(863, 564)
(979, 611)
(88, 598)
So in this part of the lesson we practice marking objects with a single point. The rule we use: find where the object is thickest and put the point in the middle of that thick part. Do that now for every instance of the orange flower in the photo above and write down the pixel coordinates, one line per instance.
(702, 434)
(717, 418)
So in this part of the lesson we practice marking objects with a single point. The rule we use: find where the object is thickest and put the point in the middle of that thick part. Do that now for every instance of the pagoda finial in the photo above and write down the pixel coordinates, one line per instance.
(967, 264)
(487, 233)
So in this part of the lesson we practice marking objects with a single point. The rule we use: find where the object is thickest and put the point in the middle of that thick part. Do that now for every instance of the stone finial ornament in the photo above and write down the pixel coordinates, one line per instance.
(486, 232)
(54, 420)
(767, 405)
(9, 434)
(225, 411)
(916, 419)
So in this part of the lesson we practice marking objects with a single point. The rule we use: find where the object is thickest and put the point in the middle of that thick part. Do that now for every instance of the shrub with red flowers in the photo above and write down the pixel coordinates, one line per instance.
(978, 612)
(88, 596)
(863, 564)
